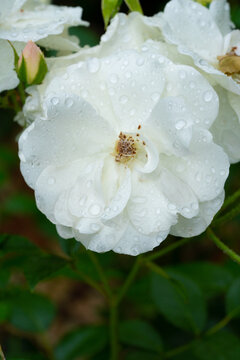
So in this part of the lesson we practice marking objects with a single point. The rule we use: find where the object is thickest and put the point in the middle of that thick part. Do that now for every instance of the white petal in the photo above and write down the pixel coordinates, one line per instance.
(199, 96)
(106, 238)
(8, 76)
(135, 84)
(64, 231)
(122, 88)
(170, 125)
(195, 226)
(39, 22)
(59, 42)
(8, 7)
(55, 182)
(179, 194)
(148, 208)
(133, 243)
(188, 24)
(226, 128)
(119, 200)
(205, 168)
(127, 32)
(73, 130)
(220, 11)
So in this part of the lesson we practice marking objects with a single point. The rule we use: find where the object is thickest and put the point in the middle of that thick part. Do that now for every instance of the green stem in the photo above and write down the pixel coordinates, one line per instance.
(234, 256)
(178, 350)
(222, 323)
(227, 217)
(101, 274)
(22, 93)
(167, 249)
(157, 269)
(129, 280)
(113, 327)
(230, 200)
(14, 102)
(87, 279)
(1, 354)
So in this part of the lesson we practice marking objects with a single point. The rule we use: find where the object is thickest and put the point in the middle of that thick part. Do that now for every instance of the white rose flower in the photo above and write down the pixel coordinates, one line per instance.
(22, 20)
(119, 154)
(205, 36)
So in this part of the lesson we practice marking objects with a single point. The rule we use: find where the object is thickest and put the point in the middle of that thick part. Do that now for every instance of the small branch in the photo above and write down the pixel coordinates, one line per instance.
(230, 200)
(178, 350)
(101, 274)
(87, 279)
(227, 217)
(157, 269)
(234, 256)
(129, 280)
(167, 249)
(2, 354)
(222, 323)
(113, 327)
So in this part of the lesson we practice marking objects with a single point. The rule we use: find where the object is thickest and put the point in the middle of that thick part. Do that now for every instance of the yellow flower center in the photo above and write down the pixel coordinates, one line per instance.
(128, 147)
(229, 64)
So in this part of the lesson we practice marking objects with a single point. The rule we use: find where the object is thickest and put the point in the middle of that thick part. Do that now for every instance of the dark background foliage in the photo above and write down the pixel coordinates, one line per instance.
(185, 305)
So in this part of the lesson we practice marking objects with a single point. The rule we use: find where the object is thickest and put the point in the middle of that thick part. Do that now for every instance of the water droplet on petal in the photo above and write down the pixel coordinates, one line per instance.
(51, 181)
(95, 209)
(114, 78)
(93, 65)
(95, 227)
(208, 95)
(180, 124)
(69, 102)
(55, 100)
(123, 99)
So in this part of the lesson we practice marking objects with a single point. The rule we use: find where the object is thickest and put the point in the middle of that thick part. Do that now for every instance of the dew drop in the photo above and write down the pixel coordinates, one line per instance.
(55, 100)
(182, 74)
(180, 124)
(208, 95)
(51, 181)
(95, 209)
(123, 99)
(69, 102)
(155, 97)
(140, 61)
(114, 78)
(95, 227)
(93, 65)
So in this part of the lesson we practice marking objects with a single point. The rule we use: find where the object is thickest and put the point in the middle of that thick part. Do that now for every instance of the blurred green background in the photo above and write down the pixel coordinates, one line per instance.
(47, 311)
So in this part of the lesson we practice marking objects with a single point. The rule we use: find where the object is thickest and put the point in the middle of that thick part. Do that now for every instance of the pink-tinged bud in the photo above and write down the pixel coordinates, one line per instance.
(31, 66)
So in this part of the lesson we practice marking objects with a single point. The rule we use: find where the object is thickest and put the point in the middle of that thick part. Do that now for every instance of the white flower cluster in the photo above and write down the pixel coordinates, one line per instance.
(131, 140)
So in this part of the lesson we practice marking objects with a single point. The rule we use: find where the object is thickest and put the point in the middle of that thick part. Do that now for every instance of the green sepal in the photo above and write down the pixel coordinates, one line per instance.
(134, 5)
(16, 57)
(42, 71)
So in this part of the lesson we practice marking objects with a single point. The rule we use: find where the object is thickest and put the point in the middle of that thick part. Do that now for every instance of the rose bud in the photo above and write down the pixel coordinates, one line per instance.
(31, 66)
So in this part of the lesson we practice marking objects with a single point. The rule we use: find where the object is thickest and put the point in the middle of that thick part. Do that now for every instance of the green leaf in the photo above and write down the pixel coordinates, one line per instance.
(220, 346)
(233, 298)
(15, 243)
(4, 311)
(109, 9)
(137, 355)
(211, 278)
(20, 204)
(134, 5)
(82, 342)
(30, 312)
(40, 267)
(140, 334)
(180, 301)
